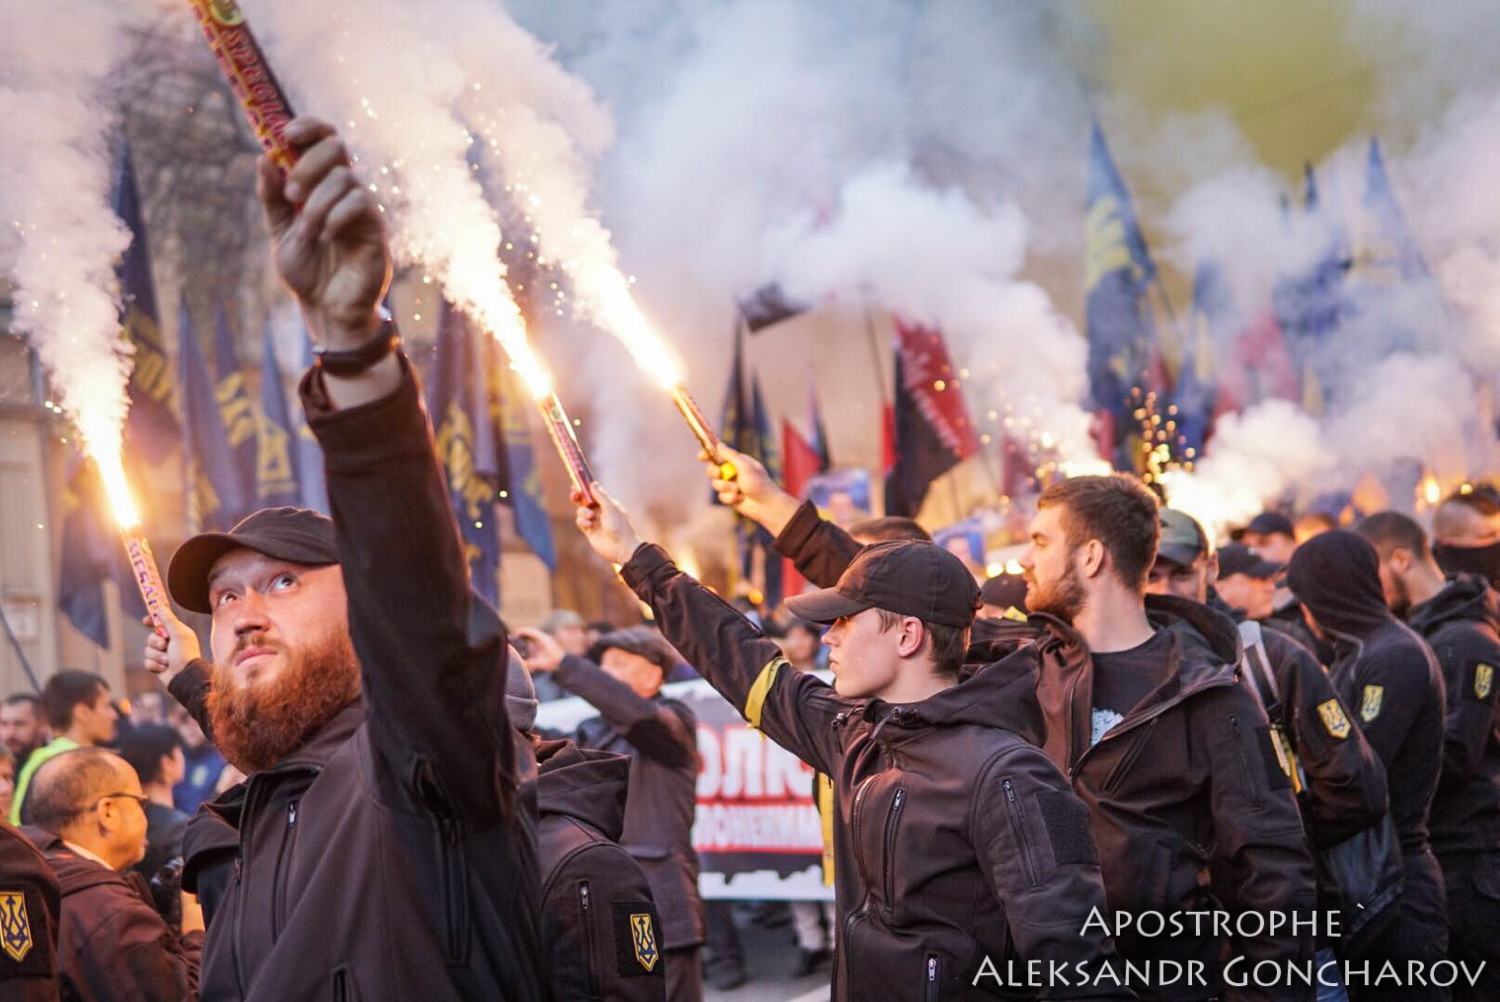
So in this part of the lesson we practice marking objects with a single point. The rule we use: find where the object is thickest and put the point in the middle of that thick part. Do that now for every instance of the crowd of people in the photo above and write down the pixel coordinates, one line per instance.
(353, 798)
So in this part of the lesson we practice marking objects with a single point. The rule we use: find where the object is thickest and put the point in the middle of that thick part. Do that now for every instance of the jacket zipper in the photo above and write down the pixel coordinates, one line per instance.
(455, 892)
(932, 978)
(1128, 725)
(1018, 822)
(586, 908)
(278, 896)
(859, 801)
(1251, 787)
(1117, 775)
(891, 821)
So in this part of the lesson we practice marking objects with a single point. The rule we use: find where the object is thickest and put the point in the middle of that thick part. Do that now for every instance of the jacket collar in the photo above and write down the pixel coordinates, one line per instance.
(318, 749)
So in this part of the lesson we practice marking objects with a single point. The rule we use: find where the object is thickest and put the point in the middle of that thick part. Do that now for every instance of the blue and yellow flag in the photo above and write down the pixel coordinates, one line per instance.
(89, 545)
(152, 432)
(1311, 304)
(312, 479)
(275, 458)
(1385, 252)
(463, 432)
(233, 394)
(219, 497)
(1121, 325)
(1212, 321)
(519, 480)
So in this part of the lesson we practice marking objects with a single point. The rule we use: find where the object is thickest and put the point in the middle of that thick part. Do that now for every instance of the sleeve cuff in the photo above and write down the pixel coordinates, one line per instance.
(649, 561)
(391, 428)
(798, 532)
(569, 671)
(192, 680)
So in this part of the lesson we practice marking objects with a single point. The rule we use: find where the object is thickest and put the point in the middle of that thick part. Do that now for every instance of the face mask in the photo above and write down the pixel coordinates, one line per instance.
(1481, 560)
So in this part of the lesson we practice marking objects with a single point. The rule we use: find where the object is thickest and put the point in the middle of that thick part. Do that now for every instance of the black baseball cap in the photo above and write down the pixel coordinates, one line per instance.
(1004, 590)
(1182, 538)
(1237, 558)
(909, 577)
(1270, 523)
(298, 535)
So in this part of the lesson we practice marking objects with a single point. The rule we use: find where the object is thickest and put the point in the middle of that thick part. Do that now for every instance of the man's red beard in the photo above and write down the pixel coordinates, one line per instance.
(257, 726)
(1064, 599)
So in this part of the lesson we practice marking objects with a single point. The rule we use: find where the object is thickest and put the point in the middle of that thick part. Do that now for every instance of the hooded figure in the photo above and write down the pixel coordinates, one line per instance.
(1389, 677)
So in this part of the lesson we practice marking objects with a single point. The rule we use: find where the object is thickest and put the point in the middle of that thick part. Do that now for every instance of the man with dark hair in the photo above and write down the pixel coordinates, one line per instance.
(86, 815)
(956, 839)
(23, 726)
(155, 753)
(1389, 676)
(1144, 711)
(1460, 618)
(1247, 581)
(1272, 535)
(81, 715)
(380, 849)
(1466, 532)
(660, 735)
(885, 528)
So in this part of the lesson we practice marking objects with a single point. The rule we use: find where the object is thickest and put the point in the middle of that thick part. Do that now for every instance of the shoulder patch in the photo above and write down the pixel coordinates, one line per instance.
(15, 925)
(1484, 681)
(1369, 708)
(1334, 722)
(637, 948)
(26, 946)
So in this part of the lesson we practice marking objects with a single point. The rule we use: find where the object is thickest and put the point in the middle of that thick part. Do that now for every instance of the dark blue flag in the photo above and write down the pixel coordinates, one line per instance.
(746, 426)
(520, 481)
(1212, 322)
(151, 429)
(235, 410)
(462, 430)
(1311, 304)
(770, 456)
(1386, 253)
(88, 545)
(312, 479)
(275, 459)
(1121, 326)
(219, 495)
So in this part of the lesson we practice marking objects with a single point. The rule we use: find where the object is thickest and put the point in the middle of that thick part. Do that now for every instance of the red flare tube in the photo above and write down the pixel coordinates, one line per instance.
(245, 66)
(561, 430)
(147, 579)
(704, 432)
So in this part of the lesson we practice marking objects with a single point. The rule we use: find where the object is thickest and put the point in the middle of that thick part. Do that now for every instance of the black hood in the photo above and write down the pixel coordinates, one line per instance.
(1000, 695)
(1336, 577)
(1466, 597)
(583, 783)
(1483, 561)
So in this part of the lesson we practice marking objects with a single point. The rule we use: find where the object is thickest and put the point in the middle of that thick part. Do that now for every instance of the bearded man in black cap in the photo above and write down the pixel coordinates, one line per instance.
(380, 853)
(1389, 677)
(1460, 618)
(959, 841)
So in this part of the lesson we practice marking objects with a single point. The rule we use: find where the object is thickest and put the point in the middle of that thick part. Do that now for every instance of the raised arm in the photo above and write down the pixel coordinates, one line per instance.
(792, 708)
(820, 549)
(435, 706)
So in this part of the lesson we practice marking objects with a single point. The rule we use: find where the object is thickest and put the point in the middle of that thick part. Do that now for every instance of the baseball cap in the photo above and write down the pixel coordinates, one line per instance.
(1270, 523)
(298, 535)
(909, 577)
(1182, 540)
(1237, 558)
(1004, 590)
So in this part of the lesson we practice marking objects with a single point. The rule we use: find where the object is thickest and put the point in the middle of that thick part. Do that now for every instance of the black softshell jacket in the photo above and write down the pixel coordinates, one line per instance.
(594, 894)
(1462, 625)
(29, 914)
(957, 839)
(384, 859)
(1186, 777)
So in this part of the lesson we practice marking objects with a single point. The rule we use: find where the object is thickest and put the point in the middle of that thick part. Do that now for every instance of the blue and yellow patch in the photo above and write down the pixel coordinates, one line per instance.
(1484, 681)
(15, 925)
(643, 938)
(637, 948)
(1334, 721)
(1374, 696)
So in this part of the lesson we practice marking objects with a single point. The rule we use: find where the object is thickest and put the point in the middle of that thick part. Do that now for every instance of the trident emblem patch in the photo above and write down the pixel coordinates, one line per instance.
(643, 938)
(15, 925)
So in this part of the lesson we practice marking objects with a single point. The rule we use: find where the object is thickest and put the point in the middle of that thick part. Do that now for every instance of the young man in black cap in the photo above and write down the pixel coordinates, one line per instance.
(1390, 678)
(380, 852)
(1460, 618)
(961, 846)
(1145, 713)
(1247, 581)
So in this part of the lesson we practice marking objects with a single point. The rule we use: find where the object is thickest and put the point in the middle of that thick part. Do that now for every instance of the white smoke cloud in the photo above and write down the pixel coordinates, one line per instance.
(59, 238)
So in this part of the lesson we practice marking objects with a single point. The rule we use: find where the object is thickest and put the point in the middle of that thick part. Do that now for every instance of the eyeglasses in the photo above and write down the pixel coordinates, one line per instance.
(139, 798)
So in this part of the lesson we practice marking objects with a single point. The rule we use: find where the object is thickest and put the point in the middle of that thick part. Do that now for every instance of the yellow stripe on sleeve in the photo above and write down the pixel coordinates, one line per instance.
(755, 700)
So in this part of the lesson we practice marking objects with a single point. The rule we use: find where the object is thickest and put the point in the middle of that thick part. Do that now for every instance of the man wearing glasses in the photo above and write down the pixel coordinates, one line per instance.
(86, 812)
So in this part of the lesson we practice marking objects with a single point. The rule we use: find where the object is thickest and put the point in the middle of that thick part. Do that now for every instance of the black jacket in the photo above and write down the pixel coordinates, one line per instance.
(1346, 787)
(958, 839)
(1382, 670)
(660, 736)
(1183, 778)
(600, 927)
(30, 906)
(384, 858)
(113, 945)
(1462, 625)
